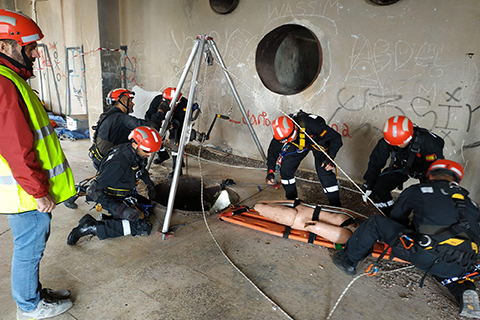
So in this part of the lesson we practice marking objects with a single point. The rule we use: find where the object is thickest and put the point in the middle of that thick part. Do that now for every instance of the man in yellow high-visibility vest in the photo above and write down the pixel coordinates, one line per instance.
(34, 173)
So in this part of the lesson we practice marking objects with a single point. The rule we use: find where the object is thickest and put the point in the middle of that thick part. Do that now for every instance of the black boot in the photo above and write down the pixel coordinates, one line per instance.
(70, 202)
(174, 159)
(340, 262)
(87, 225)
(162, 155)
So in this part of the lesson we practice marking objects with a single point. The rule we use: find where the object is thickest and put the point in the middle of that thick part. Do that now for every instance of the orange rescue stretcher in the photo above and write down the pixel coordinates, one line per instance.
(252, 220)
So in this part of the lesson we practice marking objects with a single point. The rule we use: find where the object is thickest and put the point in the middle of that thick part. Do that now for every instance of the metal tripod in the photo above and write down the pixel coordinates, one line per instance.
(202, 44)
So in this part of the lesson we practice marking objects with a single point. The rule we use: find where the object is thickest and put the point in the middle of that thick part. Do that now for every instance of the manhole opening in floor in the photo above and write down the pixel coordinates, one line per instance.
(188, 196)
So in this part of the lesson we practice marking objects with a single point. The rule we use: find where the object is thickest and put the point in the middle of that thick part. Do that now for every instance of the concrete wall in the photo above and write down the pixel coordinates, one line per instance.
(410, 58)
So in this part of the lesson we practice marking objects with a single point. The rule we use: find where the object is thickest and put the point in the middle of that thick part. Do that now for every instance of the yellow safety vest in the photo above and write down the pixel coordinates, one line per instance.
(13, 199)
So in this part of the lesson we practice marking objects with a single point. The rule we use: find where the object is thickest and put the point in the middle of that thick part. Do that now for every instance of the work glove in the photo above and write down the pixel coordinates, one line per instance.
(327, 162)
(270, 177)
(128, 213)
(164, 106)
(366, 189)
(152, 192)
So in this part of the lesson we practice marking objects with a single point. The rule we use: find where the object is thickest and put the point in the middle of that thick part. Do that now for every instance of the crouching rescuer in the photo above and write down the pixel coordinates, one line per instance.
(441, 238)
(114, 189)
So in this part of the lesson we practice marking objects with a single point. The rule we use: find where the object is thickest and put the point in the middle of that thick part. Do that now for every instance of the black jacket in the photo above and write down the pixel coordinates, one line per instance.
(178, 112)
(432, 206)
(435, 214)
(430, 149)
(115, 126)
(317, 129)
(119, 172)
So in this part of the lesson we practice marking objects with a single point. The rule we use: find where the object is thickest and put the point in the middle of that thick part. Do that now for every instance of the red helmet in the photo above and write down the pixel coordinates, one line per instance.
(449, 165)
(148, 139)
(116, 94)
(18, 27)
(398, 130)
(284, 130)
(169, 93)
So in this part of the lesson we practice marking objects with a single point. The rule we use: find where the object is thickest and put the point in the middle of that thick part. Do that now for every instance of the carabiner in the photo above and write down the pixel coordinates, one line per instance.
(371, 272)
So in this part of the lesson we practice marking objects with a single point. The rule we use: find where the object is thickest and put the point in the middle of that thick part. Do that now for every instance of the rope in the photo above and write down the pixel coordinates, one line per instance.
(275, 306)
(262, 169)
(77, 55)
(351, 283)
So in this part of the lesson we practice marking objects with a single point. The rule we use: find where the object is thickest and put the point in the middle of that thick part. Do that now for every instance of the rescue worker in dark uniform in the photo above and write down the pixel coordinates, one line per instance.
(176, 124)
(441, 239)
(114, 126)
(410, 151)
(290, 146)
(114, 189)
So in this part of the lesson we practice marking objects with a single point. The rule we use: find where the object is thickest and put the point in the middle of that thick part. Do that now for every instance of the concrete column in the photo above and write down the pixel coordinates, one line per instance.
(109, 33)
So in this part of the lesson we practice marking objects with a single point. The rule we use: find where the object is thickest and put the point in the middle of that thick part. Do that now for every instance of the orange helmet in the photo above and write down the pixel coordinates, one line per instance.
(398, 130)
(284, 130)
(169, 93)
(18, 27)
(443, 164)
(116, 94)
(148, 139)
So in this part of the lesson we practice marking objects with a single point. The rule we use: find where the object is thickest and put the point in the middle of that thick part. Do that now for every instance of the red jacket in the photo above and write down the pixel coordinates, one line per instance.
(16, 138)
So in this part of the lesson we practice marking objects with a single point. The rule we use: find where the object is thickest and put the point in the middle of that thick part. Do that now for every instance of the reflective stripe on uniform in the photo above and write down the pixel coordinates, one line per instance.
(58, 170)
(8, 180)
(330, 189)
(384, 205)
(126, 227)
(43, 132)
(289, 181)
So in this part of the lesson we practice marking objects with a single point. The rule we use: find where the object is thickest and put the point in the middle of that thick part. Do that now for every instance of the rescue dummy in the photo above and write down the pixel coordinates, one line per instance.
(327, 222)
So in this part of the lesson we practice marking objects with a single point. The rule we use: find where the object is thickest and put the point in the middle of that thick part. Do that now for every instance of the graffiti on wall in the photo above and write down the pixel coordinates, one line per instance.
(129, 76)
(76, 97)
(435, 117)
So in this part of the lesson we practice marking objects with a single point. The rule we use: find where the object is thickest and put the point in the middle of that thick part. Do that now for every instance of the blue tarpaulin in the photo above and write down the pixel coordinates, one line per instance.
(65, 134)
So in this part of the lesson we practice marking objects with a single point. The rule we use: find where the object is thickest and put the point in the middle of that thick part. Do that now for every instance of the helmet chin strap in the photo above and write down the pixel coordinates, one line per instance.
(28, 63)
(126, 106)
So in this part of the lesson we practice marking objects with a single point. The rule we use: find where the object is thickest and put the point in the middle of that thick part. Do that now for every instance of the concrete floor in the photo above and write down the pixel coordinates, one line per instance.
(187, 276)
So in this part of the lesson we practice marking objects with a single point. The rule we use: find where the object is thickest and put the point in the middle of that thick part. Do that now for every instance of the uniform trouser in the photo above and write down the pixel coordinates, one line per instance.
(387, 230)
(328, 178)
(382, 189)
(112, 228)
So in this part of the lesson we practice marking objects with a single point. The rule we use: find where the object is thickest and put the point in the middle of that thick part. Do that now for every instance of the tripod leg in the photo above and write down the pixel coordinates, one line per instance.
(183, 137)
(237, 98)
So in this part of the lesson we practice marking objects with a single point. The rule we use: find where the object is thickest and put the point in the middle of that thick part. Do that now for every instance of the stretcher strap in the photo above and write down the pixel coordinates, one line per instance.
(316, 213)
(311, 237)
(286, 233)
(347, 222)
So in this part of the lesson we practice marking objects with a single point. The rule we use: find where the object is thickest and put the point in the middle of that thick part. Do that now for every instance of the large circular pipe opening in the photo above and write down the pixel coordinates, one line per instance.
(288, 59)
(188, 195)
(223, 6)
